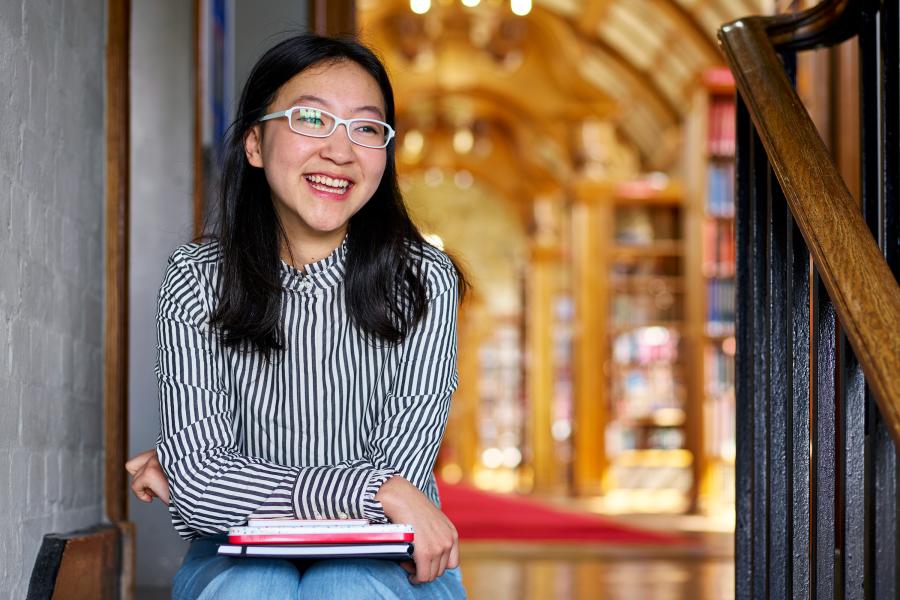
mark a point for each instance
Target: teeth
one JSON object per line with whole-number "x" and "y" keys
{"x": 333, "y": 183}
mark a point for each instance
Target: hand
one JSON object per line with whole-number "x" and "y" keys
{"x": 436, "y": 546}
{"x": 147, "y": 477}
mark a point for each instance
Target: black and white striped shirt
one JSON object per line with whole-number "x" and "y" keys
{"x": 316, "y": 431}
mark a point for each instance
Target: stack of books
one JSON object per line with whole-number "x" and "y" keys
{"x": 295, "y": 538}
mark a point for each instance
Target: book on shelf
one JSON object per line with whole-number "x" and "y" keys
{"x": 721, "y": 138}
{"x": 720, "y": 305}
{"x": 719, "y": 370}
{"x": 718, "y": 248}
{"x": 720, "y": 409}
{"x": 720, "y": 189}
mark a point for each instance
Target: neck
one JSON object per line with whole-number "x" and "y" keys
{"x": 301, "y": 250}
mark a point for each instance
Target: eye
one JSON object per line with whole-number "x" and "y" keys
{"x": 310, "y": 118}
{"x": 369, "y": 128}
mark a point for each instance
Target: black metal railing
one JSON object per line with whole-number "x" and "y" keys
{"x": 817, "y": 429}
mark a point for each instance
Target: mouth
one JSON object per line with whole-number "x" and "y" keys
{"x": 334, "y": 186}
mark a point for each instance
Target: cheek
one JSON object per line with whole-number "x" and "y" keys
{"x": 376, "y": 171}
{"x": 282, "y": 151}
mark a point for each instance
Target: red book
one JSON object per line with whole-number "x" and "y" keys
{"x": 324, "y": 534}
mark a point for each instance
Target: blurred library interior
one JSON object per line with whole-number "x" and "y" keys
{"x": 578, "y": 158}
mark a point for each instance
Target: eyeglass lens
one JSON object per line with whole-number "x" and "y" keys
{"x": 318, "y": 123}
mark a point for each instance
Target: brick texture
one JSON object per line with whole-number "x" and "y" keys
{"x": 51, "y": 275}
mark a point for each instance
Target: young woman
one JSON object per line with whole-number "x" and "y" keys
{"x": 307, "y": 352}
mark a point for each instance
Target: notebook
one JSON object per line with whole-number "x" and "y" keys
{"x": 401, "y": 551}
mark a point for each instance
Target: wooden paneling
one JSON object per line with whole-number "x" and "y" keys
{"x": 332, "y": 17}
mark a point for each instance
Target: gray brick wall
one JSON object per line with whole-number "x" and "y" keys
{"x": 51, "y": 275}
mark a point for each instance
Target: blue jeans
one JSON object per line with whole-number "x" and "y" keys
{"x": 204, "y": 575}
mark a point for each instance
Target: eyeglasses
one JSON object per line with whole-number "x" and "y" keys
{"x": 318, "y": 123}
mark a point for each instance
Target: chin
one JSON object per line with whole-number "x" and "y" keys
{"x": 328, "y": 227}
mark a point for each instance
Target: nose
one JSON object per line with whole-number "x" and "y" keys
{"x": 338, "y": 146}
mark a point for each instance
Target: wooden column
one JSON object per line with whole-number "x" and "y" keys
{"x": 693, "y": 343}
{"x": 591, "y": 223}
{"x": 541, "y": 284}
{"x": 461, "y": 438}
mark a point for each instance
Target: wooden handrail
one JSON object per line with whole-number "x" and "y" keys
{"x": 827, "y": 23}
{"x": 862, "y": 287}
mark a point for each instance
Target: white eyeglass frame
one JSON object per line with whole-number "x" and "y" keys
{"x": 337, "y": 122}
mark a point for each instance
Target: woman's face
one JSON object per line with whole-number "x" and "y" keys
{"x": 297, "y": 167}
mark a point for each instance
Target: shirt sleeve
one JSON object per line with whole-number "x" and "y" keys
{"x": 212, "y": 485}
{"x": 407, "y": 439}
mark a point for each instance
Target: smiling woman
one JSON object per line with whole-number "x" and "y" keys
{"x": 307, "y": 347}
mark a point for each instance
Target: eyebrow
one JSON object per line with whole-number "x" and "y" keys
{"x": 308, "y": 98}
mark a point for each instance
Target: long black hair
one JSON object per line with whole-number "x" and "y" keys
{"x": 384, "y": 291}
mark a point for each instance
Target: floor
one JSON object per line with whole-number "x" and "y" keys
{"x": 539, "y": 572}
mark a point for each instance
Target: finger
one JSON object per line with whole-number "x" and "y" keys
{"x": 409, "y": 566}
{"x": 143, "y": 495}
{"x": 426, "y": 570}
{"x": 139, "y": 460}
{"x": 442, "y": 564}
{"x": 454, "y": 555}
{"x": 423, "y": 569}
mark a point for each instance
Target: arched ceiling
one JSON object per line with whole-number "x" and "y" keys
{"x": 527, "y": 84}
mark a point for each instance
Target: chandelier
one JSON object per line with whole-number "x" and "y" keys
{"x": 518, "y": 7}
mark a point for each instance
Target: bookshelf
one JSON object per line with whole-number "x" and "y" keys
{"x": 710, "y": 172}
{"x": 649, "y": 450}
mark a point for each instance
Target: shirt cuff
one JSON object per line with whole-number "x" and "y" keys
{"x": 371, "y": 508}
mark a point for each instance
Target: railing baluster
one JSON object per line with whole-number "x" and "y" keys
{"x": 886, "y": 576}
{"x": 743, "y": 504}
{"x": 857, "y": 443}
{"x": 798, "y": 300}
{"x": 760, "y": 365}
{"x": 853, "y": 476}
{"x": 779, "y": 362}
{"x": 824, "y": 457}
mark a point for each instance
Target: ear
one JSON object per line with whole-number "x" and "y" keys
{"x": 252, "y": 146}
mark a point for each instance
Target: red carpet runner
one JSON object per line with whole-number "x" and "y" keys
{"x": 480, "y": 515}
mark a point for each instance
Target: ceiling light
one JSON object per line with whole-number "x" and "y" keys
{"x": 413, "y": 142}
{"x": 471, "y": 3}
{"x": 520, "y": 7}
{"x": 463, "y": 140}
{"x": 420, "y": 7}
